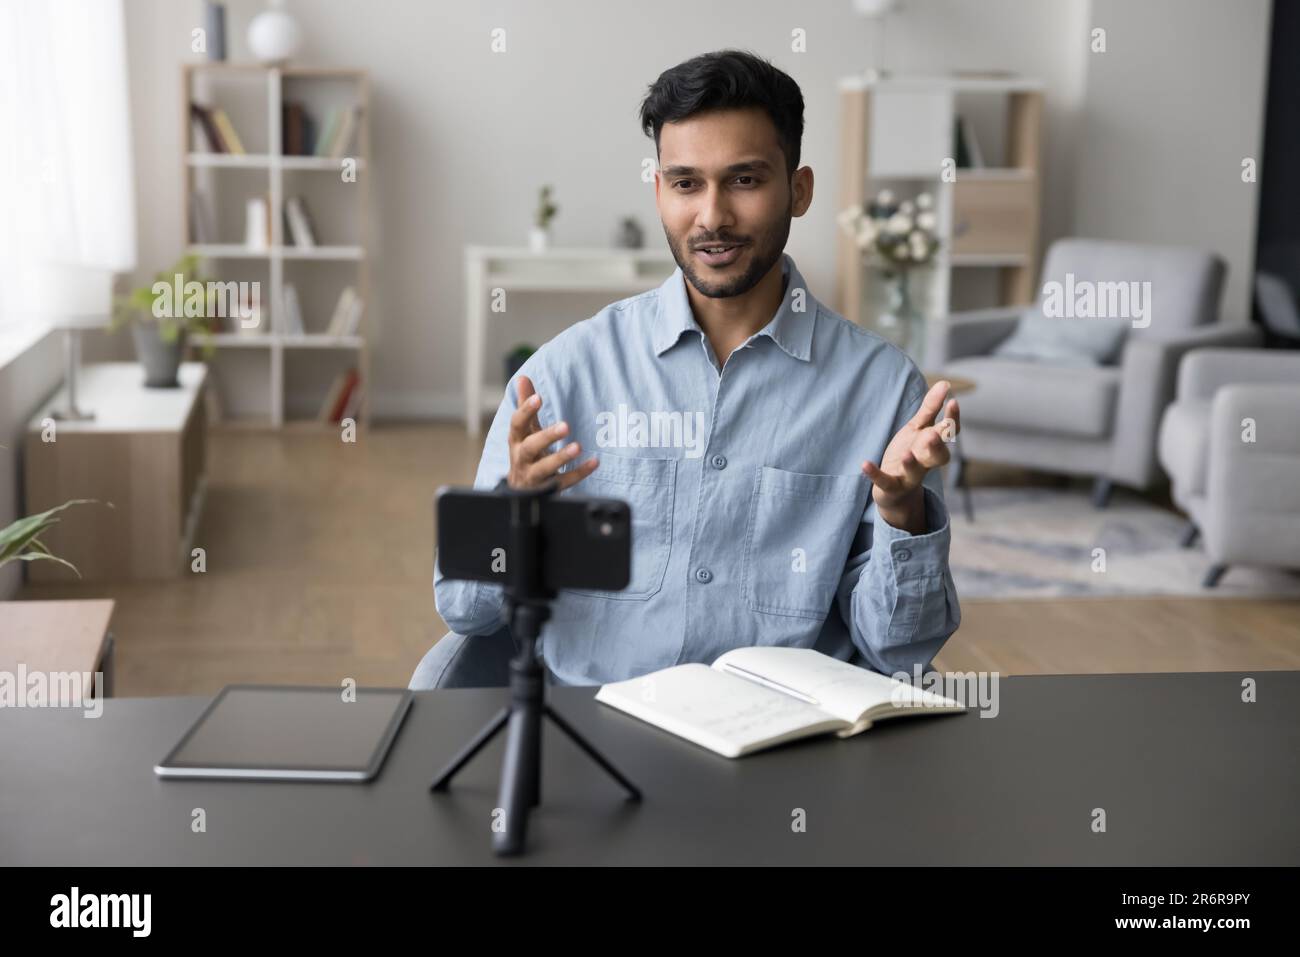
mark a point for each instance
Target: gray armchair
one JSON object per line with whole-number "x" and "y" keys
{"x": 1231, "y": 445}
{"x": 1098, "y": 421}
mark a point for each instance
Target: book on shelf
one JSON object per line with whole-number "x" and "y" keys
{"x": 227, "y": 130}
{"x": 960, "y": 152}
{"x": 350, "y": 388}
{"x": 202, "y": 223}
{"x": 257, "y": 223}
{"x": 346, "y": 319}
{"x": 241, "y": 305}
{"x": 206, "y": 133}
{"x": 344, "y": 132}
{"x": 336, "y": 399}
{"x": 974, "y": 155}
{"x": 352, "y": 325}
{"x": 298, "y": 131}
{"x": 754, "y": 698}
{"x": 311, "y": 130}
{"x": 341, "y": 309}
{"x": 352, "y": 409}
{"x": 326, "y": 137}
{"x": 293, "y": 129}
{"x": 292, "y": 309}
{"x": 337, "y": 133}
{"x": 301, "y": 229}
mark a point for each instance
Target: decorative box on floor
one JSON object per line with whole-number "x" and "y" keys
{"x": 143, "y": 452}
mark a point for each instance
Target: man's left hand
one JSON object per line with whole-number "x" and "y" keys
{"x": 918, "y": 447}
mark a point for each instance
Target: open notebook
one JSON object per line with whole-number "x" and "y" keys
{"x": 755, "y": 698}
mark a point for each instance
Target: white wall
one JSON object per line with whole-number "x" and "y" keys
{"x": 464, "y": 137}
{"x": 1172, "y": 107}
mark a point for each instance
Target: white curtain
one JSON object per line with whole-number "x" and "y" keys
{"x": 67, "y": 201}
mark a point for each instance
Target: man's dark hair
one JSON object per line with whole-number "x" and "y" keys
{"x": 727, "y": 80}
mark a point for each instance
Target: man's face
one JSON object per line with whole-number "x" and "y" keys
{"x": 722, "y": 181}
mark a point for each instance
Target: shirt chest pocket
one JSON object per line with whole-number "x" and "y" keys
{"x": 800, "y": 530}
{"x": 648, "y": 486}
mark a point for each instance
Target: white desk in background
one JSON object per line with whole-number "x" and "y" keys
{"x": 617, "y": 272}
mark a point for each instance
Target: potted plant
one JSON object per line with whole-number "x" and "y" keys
{"x": 540, "y": 236}
{"x": 628, "y": 235}
{"x": 20, "y": 541}
{"x": 516, "y": 358}
{"x": 161, "y": 322}
{"x": 896, "y": 238}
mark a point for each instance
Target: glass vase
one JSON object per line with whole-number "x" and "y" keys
{"x": 898, "y": 319}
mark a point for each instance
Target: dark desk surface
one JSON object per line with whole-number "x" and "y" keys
{"x": 1186, "y": 772}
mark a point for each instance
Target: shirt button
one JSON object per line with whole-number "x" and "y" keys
{"x": 703, "y": 575}
{"x": 902, "y": 555}
{"x": 719, "y": 462}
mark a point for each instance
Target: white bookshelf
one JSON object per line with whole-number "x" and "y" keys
{"x": 896, "y": 132}
{"x": 266, "y": 161}
{"x": 564, "y": 269}
{"x": 281, "y": 378}
{"x": 236, "y": 251}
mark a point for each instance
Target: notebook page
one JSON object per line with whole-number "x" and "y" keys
{"x": 718, "y": 711}
{"x": 844, "y": 690}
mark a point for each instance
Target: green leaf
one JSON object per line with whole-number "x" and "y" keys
{"x": 16, "y": 536}
{"x": 46, "y": 556}
{"x": 19, "y": 541}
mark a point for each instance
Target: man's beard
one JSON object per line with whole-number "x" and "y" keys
{"x": 766, "y": 252}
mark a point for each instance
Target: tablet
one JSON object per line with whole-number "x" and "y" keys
{"x": 283, "y": 732}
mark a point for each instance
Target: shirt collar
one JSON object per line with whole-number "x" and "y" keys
{"x": 791, "y": 328}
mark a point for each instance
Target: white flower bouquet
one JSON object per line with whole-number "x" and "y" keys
{"x": 892, "y": 235}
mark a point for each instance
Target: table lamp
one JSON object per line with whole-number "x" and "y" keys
{"x": 74, "y": 298}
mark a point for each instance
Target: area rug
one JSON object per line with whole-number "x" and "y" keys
{"x": 1052, "y": 543}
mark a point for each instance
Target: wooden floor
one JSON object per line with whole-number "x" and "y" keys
{"x": 320, "y": 568}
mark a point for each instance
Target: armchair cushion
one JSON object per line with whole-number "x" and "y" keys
{"x": 1078, "y": 342}
{"x": 1037, "y": 397}
{"x": 973, "y": 333}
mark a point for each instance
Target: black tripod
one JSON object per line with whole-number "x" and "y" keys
{"x": 527, "y": 609}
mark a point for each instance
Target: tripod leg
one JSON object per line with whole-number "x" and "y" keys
{"x": 535, "y": 785}
{"x": 518, "y": 779}
{"x": 459, "y": 761}
{"x": 633, "y": 792}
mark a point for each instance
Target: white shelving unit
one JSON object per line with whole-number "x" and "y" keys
{"x": 896, "y": 133}
{"x": 565, "y": 269}
{"x": 235, "y": 87}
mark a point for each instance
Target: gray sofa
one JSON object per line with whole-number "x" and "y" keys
{"x": 1097, "y": 421}
{"x": 1231, "y": 445}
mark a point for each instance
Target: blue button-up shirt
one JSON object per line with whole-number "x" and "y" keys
{"x": 752, "y": 523}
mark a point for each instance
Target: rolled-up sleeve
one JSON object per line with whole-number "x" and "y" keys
{"x": 897, "y": 594}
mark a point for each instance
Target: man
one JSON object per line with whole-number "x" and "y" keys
{"x": 780, "y": 462}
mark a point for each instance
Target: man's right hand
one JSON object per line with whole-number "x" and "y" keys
{"x": 530, "y": 466}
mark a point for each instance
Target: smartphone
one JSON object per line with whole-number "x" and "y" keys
{"x": 585, "y": 542}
